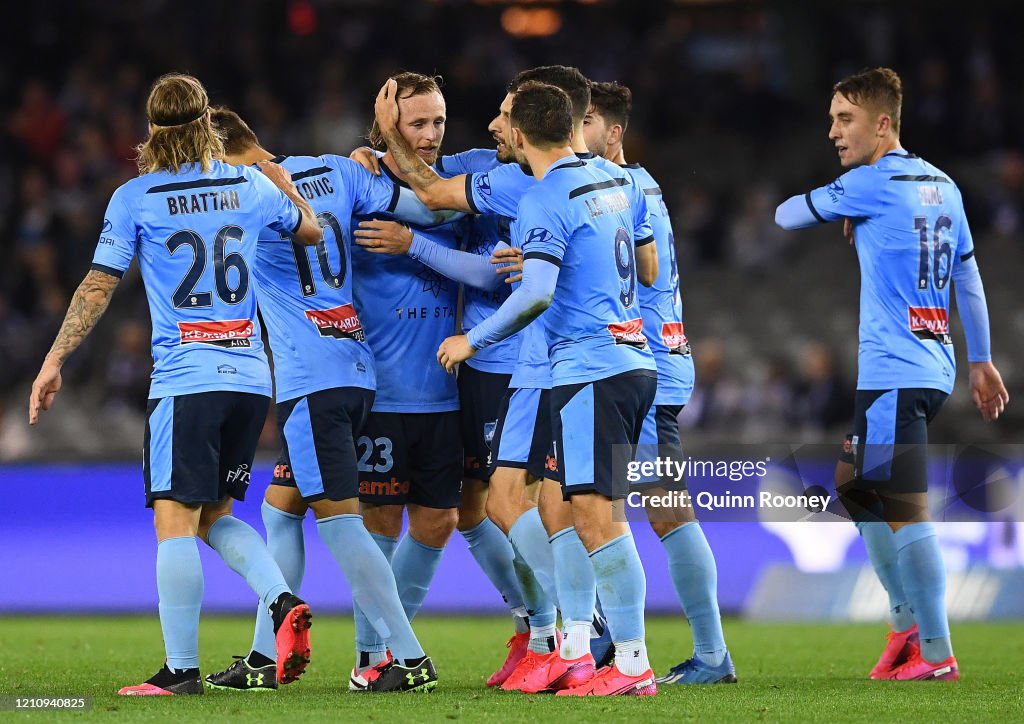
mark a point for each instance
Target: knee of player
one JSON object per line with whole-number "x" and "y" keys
{"x": 433, "y": 526}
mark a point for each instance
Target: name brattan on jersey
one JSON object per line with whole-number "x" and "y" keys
{"x": 661, "y": 304}
{"x": 306, "y": 296}
{"x": 407, "y": 310}
{"x": 593, "y": 327}
{"x": 911, "y": 233}
{"x": 195, "y": 235}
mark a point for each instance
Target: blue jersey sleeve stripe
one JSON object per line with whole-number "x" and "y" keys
{"x": 814, "y": 211}
{"x": 967, "y": 256}
{"x": 469, "y": 194}
{"x": 202, "y": 183}
{"x": 396, "y": 192}
{"x": 653, "y": 191}
{"x": 645, "y": 241}
{"x": 597, "y": 187}
{"x": 550, "y": 258}
{"x": 922, "y": 178}
{"x": 107, "y": 270}
{"x": 311, "y": 172}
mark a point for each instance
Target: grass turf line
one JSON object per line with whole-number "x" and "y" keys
{"x": 787, "y": 673}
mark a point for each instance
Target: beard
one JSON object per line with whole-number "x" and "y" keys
{"x": 505, "y": 155}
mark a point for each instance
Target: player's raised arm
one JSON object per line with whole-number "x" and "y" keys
{"x": 90, "y": 301}
{"x": 434, "y": 191}
{"x": 308, "y": 233}
{"x": 389, "y": 237}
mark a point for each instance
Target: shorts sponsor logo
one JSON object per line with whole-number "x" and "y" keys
{"x": 282, "y": 472}
{"x": 631, "y": 333}
{"x": 930, "y": 323}
{"x": 673, "y": 336}
{"x": 489, "y": 428}
{"x": 384, "y": 488}
{"x": 340, "y": 322}
{"x": 848, "y": 445}
{"x": 239, "y": 475}
{"x": 551, "y": 463}
{"x": 229, "y": 333}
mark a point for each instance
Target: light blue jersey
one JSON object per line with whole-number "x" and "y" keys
{"x": 911, "y": 234}
{"x": 486, "y": 231}
{"x": 196, "y": 236}
{"x": 407, "y": 310}
{"x": 305, "y": 292}
{"x": 500, "y": 191}
{"x": 662, "y": 303}
{"x": 580, "y": 219}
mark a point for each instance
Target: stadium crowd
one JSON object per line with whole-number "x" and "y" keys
{"x": 736, "y": 86}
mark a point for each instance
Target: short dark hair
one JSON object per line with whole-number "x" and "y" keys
{"x": 235, "y": 132}
{"x": 613, "y": 101}
{"x": 570, "y": 80}
{"x": 543, "y": 113}
{"x": 409, "y": 85}
{"x": 878, "y": 88}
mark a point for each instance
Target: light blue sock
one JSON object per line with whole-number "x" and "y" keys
{"x": 622, "y": 587}
{"x": 880, "y": 543}
{"x": 372, "y": 582}
{"x": 246, "y": 554}
{"x": 574, "y": 578}
{"x": 494, "y": 554}
{"x": 923, "y": 574}
{"x": 288, "y": 547}
{"x": 367, "y": 639}
{"x": 179, "y": 583}
{"x": 539, "y": 608}
{"x": 414, "y": 565}
{"x": 691, "y": 564}
{"x": 530, "y": 540}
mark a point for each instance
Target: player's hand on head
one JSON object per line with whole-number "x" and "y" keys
{"x": 276, "y": 173}
{"x": 988, "y": 391}
{"x": 366, "y": 158}
{"x": 454, "y": 350}
{"x": 508, "y": 261}
{"x": 385, "y": 108}
{"x": 44, "y": 389}
{"x": 383, "y": 237}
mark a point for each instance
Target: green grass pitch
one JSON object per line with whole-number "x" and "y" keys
{"x": 813, "y": 672}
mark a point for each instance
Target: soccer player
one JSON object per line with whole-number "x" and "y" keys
{"x": 912, "y": 238}
{"x": 325, "y": 384}
{"x": 194, "y": 223}
{"x": 578, "y": 260}
{"x": 481, "y": 389}
{"x": 520, "y": 441}
{"x": 410, "y": 452}
{"x": 690, "y": 560}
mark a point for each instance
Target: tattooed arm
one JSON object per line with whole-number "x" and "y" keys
{"x": 434, "y": 191}
{"x": 89, "y": 303}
